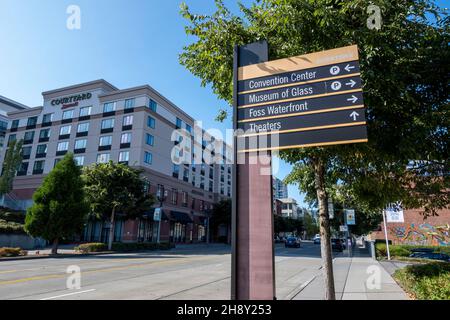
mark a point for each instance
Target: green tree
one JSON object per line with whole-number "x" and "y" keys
{"x": 405, "y": 74}
{"x": 311, "y": 225}
{"x": 113, "y": 188}
{"x": 59, "y": 208}
{"x": 13, "y": 159}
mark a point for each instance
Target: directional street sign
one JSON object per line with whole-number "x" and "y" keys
{"x": 310, "y": 100}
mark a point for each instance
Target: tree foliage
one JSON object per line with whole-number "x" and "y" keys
{"x": 59, "y": 208}
{"x": 13, "y": 159}
{"x": 405, "y": 72}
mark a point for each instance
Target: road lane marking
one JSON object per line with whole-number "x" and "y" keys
{"x": 68, "y": 294}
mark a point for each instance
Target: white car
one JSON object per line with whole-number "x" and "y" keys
{"x": 316, "y": 239}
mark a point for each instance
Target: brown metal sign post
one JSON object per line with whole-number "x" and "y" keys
{"x": 253, "y": 276}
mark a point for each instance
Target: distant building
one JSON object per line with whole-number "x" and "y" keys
{"x": 7, "y": 105}
{"x": 289, "y": 208}
{"x": 280, "y": 189}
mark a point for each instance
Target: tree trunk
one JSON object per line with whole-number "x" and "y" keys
{"x": 55, "y": 246}
{"x": 325, "y": 236}
{"x": 111, "y": 229}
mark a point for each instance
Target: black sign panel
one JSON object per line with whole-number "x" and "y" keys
{"x": 309, "y": 100}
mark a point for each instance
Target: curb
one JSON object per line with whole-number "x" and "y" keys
{"x": 57, "y": 256}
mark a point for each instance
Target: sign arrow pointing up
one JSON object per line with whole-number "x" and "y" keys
{"x": 353, "y": 115}
{"x": 348, "y": 68}
{"x": 351, "y": 83}
{"x": 353, "y": 99}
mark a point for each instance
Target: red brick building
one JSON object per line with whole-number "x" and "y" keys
{"x": 416, "y": 230}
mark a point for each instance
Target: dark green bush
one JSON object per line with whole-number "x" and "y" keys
{"x": 12, "y": 252}
{"x": 405, "y": 250}
{"x": 427, "y": 281}
{"x": 91, "y": 247}
{"x": 9, "y": 227}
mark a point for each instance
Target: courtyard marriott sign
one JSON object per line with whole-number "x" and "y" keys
{"x": 71, "y": 101}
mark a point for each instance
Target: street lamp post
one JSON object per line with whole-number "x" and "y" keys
{"x": 161, "y": 198}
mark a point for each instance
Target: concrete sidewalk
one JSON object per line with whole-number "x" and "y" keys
{"x": 356, "y": 278}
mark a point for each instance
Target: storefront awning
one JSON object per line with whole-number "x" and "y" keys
{"x": 181, "y": 217}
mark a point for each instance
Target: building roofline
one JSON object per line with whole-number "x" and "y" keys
{"x": 151, "y": 90}
{"x": 99, "y": 81}
{"x": 13, "y": 103}
{"x": 13, "y": 113}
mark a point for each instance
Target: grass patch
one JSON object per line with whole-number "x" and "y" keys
{"x": 429, "y": 281}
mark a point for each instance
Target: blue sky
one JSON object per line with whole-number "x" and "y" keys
{"x": 127, "y": 43}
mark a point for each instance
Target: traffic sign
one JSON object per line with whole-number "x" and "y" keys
{"x": 350, "y": 216}
{"x": 310, "y": 100}
{"x": 157, "y": 214}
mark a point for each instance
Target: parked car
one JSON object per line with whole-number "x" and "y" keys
{"x": 336, "y": 244}
{"x": 278, "y": 239}
{"x": 316, "y": 239}
{"x": 430, "y": 255}
{"x": 292, "y": 242}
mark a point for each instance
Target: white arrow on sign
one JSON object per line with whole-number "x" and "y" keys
{"x": 353, "y": 115}
{"x": 351, "y": 83}
{"x": 353, "y": 99}
{"x": 348, "y": 68}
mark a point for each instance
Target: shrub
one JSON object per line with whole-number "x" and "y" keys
{"x": 426, "y": 282}
{"x": 9, "y": 227}
{"x": 91, "y": 247}
{"x": 12, "y": 252}
{"x": 406, "y": 250}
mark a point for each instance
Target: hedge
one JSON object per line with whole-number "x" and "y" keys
{"x": 91, "y": 247}
{"x": 12, "y": 252}
{"x": 426, "y": 281}
{"x": 119, "y": 246}
{"x": 9, "y": 227}
{"x": 405, "y": 250}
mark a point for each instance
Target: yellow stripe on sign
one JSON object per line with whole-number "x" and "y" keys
{"x": 298, "y": 98}
{"x": 301, "y": 83}
{"x": 320, "y": 144}
{"x": 302, "y": 113}
{"x": 340, "y": 125}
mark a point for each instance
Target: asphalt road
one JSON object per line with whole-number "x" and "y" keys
{"x": 187, "y": 272}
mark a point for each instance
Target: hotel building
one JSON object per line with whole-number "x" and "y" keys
{"x": 98, "y": 122}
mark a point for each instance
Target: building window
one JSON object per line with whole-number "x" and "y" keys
{"x": 107, "y": 123}
{"x": 147, "y": 157}
{"x": 56, "y": 162}
{"x": 63, "y": 146}
{"x": 85, "y": 111}
{"x": 178, "y": 123}
{"x": 29, "y": 136}
{"x": 202, "y": 182}
{"x": 160, "y": 191}
{"x": 83, "y": 127}
{"x": 109, "y": 107}
{"x": 174, "y": 196}
{"x": 11, "y": 138}
{"x": 127, "y": 121}
{"x": 184, "y": 197}
{"x": 79, "y": 160}
{"x": 26, "y": 152}
{"x": 125, "y": 138}
{"x": 105, "y": 141}
{"x": 68, "y": 114}
{"x": 210, "y": 186}
{"x": 41, "y": 149}
{"x": 38, "y": 167}
{"x": 15, "y": 124}
{"x": 151, "y": 122}
{"x": 153, "y": 105}
{"x": 32, "y": 121}
{"x": 188, "y": 128}
{"x": 80, "y": 144}
{"x": 47, "y": 118}
{"x": 124, "y": 156}
{"x": 129, "y": 103}
{"x": 149, "y": 139}
{"x": 103, "y": 158}
{"x": 23, "y": 169}
{"x": 64, "y": 130}
{"x": 44, "y": 134}
{"x": 176, "y": 171}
